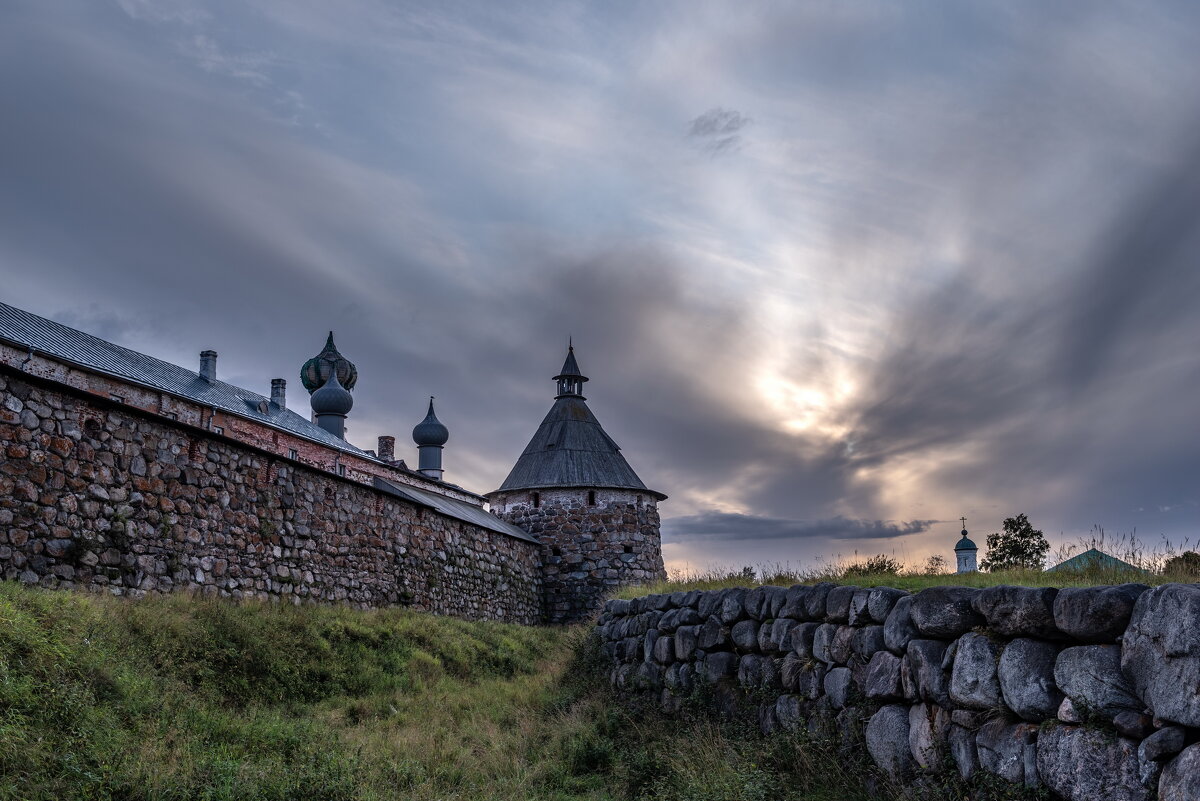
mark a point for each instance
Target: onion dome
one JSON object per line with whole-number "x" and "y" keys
{"x": 332, "y": 398}
{"x": 965, "y": 544}
{"x": 430, "y": 431}
{"x": 315, "y": 372}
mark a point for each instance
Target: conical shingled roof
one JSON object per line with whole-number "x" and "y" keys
{"x": 571, "y": 449}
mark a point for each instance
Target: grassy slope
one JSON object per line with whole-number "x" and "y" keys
{"x": 187, "y": 698}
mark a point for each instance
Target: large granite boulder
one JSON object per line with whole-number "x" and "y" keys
{"x": 963, "y": 751}
{"x": 1163, "y": 744}
{"x": 1090, "y": 675}
{"x": 973, "y": 679}
{"x": 1096, "y": 614}
{"x": 713, "y": 636}
{"x": 1180, "y": 780}
{"x": 685, "y": 642}
{"x": 720, "y": 665}
{"x": 881, "y": 601}
{"x": 839, "y": 649}
{"x": 945, "y": 612}
{"x": 887, "y": 741}
{"x": 1083, "y": 764}
{"x": 1009, "y": 750}
{"x": 756, "y": 604}
{"x": 776, "y": 596}
{"x": 839, "y": 687}
{"x": 822, "y": 642}
{"x": 815, "y": 600}
{"x": 795, "y": 604}
{"x": 928, "y": 730}
{"x": 898, "y": 629}
{"x": 733, "y": 606}
{"x": 780, "y": 638}
{"x": 801, "y": 639}
{"x": 837, "y": 603}
{"x": 1161, "y": 652}
{"x": 924, "y": 659}
{"x": 1026, "y": 674}
{"x": 745, "y": 635}
{"x": 789, "y": 711}
{"x": 858, "y": 615}
{"x": 866, "y": 641}
{"x": 1019, "y": 611}
{"x": 882, "y": 682}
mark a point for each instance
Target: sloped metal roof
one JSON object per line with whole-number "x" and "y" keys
{"x": 570, "y": 449}
{"x": 452, "y": 507}
{"x": 1093, "y": 558}
{"x": 28, "y": 330}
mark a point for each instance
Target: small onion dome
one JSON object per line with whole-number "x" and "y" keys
{"x": 965, "y": 544}
{"x": 332, "y": 398}
{"x": 430, "y": 431}
{"x": 315, "y": 372}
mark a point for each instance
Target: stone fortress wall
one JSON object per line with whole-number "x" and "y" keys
{"x": 1093, "y": 693}
{"x": 596, "y": 541}
{"x": 99, "y": 494}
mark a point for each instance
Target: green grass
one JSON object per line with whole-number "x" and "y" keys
{"x": 182, "y": 697}
{"x": 912, "y": 582}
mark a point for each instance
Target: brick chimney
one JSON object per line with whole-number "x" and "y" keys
{"x": 279, "y": 392}
{"x": 208, "y": 365}
{"x": 387, "y": 448}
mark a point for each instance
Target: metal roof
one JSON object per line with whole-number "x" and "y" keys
{"x": 46, "y": 336}
{"x": 1093, "y": 558}
{"x": 452, "y": 507}
{"x": 570, "y": 449}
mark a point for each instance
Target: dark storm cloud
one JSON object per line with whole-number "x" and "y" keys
{"x": 718, "y": 130}
{"x": 980, "y": 215}
{"x": 736, "y": 527}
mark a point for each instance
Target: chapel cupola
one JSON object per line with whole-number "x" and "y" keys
{"x": 430, "y": 435}
{"x": 965, "y": 552}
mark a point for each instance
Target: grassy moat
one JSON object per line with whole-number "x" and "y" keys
{"x": 182, "y": 697}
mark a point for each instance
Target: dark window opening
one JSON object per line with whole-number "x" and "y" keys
{"x": 341, "y": 469}
{"x": 558, "y": 551}
{"x": 536, "y": 498}
{"x": 591, "y": 497}
{"x": 93, "y": 428}
{"x": 293, "y": 453}
{"x": 628, "y": 549}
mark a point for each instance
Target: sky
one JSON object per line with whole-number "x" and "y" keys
{"x": 840, "y": 273}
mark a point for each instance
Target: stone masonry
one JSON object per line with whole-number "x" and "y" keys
{"x": 1086, "y": 693}
{"x": 97, "y": 495}
{"x": 591, "y": 548}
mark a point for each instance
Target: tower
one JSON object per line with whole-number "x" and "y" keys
{"x": 573, "y": 490}
{"x": 965, "y": 551}
{"x": 430, "y": 435}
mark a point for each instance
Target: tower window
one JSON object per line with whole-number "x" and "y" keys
{"x": 628, "y": 549}
{"x": 591, "y": 497}
{"x": 536, "y": 498}
{"x": 558, "y": 551}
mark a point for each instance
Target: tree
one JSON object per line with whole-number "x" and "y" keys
{"x": 1186, "y": 564}
{"x": 935, "y": 565}
{"x": 1020, "y": 545}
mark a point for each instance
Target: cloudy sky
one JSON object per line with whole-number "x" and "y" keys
{"x": 839, "y": 272}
